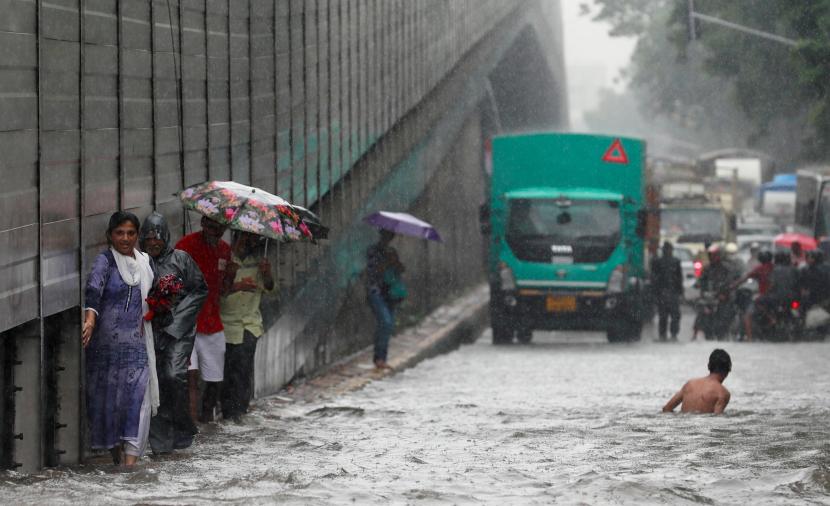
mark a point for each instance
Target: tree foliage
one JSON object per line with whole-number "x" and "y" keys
{"x": 755, "y": 92}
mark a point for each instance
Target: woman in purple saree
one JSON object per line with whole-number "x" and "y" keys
{"x": 121, "y": 387}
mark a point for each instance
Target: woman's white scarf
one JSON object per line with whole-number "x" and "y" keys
{"x": 137, "y": 271}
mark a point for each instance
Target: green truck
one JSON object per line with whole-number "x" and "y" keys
{"x": 566, "y": 222}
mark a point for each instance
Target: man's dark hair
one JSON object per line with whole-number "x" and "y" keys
{"x": 120, "y": 217}
{"x": 795, "y": 247}
{"x": 720, "y": 362}
{"x": 386, "y": 235}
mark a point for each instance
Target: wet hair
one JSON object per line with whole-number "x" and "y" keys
{"x": 720, "y": 362}
{"x": 118, "y": 218}
{"x": 765, "y": 257}
{"x": 783, "y": 258}
{"x": 668, "y": 246}
{"x": 210, "y": 222}
{"x": 259, "y": 244}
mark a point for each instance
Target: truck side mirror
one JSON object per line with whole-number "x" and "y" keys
{"x": 484, "y": 218}
{"x": 642, "y": 223}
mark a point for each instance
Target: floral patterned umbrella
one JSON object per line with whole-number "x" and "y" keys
{"x": 247, "y": 209}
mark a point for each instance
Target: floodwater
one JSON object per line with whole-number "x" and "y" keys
{"x": 568, "y": 419}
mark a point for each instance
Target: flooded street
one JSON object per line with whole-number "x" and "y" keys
{"x": 566, "y": 419}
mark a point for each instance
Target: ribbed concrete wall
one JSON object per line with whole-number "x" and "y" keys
{"x": 340, "y": 105}
{"x": 286, "y": 95}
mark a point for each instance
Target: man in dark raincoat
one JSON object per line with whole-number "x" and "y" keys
{"x": 174, "y": 332}
{"x": 667, "y": 282}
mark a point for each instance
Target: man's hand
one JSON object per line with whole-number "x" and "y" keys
{"x": 265, "y": 272}
{"x": 674, "y": 401}
{"x": 228, "y": 277}
{"x": 244, "y": 285}
{"x": 265, "y": 267}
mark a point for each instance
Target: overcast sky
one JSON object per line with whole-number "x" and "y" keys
{"x": 593, "y": 58}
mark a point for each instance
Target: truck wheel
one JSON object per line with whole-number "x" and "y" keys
{"x": 624, "y": 331}
{"x": 524, "y": 336}
{"x": 635, "y": 332}
{"x": 502, "y": 334}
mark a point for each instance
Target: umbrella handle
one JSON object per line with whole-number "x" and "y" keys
{"x": 265, "y": 255}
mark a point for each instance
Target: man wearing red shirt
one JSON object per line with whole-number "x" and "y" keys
{"x": 212, "y": 255}
{"x": 761, "y": 274}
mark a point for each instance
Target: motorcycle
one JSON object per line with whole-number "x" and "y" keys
{"x": 717, "y": 316}
{"x": 779, "y": 321}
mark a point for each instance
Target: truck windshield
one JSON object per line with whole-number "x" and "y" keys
{"x": 692, "y": 225}
{"x": 591, "y": 228}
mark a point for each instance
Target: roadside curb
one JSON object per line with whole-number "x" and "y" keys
{"x": 443, "y": 330}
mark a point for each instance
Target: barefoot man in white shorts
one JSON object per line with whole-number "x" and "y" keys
{"x": 212, "y": 255}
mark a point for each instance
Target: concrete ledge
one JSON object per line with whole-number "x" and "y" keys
{"x": 445, "y": 329}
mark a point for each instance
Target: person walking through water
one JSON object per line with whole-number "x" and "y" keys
{"x": 212, "y": 255}
{"x": 385, "y": 291}
{"x": 174, "y": 329}
{"x": 706, "y": 394}
{"x": 667, "y": 283}
{"x": 121, "y": 383}
{"x": 243, "y": 320}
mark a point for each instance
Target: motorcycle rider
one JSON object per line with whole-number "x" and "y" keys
{"x": 717, "y": 278}
{"x": 754, "y": 261}
{"x": 761, "y": 274}
{"x": 797, "y": 254}
{"x": 783, "y": 286}
{"x": 814, "y": 280}
{"x": 719, "y": 274}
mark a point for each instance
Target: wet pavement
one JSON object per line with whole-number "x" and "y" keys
{"x": 567, "y": 419}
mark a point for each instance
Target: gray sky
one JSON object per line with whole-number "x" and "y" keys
{"x": 593, "y": 59}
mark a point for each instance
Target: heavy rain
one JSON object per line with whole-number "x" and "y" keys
{"x": 435, "y": 252}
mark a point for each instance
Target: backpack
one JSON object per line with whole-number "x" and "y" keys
{"x": 394, "y": 290}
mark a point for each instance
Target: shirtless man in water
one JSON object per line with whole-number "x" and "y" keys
{"x": 707, "y": 394}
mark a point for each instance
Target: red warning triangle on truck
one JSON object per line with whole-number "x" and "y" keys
{"x": 615, "y": 153}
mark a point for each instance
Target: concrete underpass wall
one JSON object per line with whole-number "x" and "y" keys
{"x": 436, "y": 272}
{"x": 328, "y": 318}
{"x": 346, "y": 106}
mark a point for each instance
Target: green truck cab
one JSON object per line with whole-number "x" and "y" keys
{"x": 566, "y": 226}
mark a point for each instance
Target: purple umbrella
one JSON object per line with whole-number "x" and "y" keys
{"x": 404, "y": 224}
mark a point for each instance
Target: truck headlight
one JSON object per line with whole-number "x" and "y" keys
{"x": 616, "y": 282}
{"x": 506, "y": 277}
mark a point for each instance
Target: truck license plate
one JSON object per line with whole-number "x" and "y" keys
{"x": 560, "y": 304}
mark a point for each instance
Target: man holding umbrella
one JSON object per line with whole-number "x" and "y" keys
{"x": 384, "y": 287}
{"x": 383, "y": 269}
{"x": 243, "y": 320}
